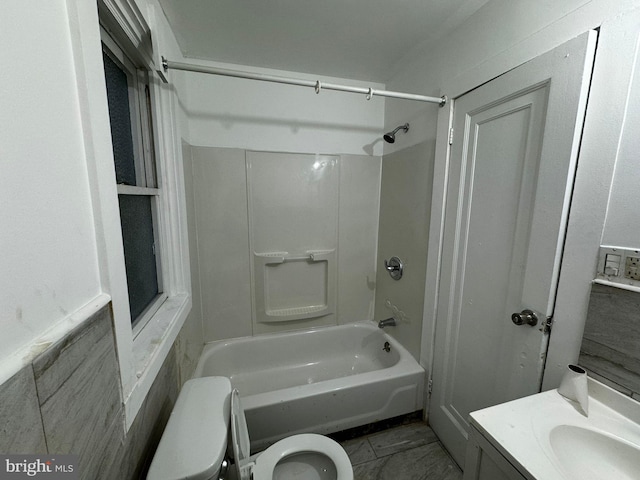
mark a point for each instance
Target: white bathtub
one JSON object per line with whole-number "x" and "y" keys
{"x": 322, "y": 380}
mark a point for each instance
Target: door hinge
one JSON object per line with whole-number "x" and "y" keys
{"x": 430, "y": 386}
{"x": 546, "y": 325}
{"x": 451, "y": 136}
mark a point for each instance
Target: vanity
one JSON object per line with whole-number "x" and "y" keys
{"x": 547, "y": 437}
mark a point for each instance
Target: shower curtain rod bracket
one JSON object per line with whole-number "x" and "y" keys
{"x": 369, "y": 92}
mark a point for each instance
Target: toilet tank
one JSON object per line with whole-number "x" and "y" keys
{"x": 194, "y": 441}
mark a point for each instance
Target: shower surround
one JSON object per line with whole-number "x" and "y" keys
{"x": 343, "y": 216}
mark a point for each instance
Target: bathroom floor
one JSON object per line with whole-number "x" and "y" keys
{"x": 406, "y": 452}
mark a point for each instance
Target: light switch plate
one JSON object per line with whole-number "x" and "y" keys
{"x": 619, "y": 265}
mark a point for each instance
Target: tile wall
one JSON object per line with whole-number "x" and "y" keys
{"x": 611, "y": 341}
{"x": 69, "y": 401}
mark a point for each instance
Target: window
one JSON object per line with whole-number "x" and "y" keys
{"x": 139, "y": 199}
{"x": 131, "y": 121}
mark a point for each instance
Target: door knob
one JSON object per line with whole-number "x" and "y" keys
{"x": 526, "y": 317}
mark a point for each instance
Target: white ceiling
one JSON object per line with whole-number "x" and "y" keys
{"x": 358, "y": 39}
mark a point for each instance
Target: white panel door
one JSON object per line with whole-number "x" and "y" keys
{"x": 511, "y": 170}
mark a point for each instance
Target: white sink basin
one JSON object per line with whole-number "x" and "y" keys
{"x": 547, "y": 437}
{"x": 590, "y": 454}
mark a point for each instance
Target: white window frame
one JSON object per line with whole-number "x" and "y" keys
{"x": 140, "y": 353}
{"x": 143, "y": 133}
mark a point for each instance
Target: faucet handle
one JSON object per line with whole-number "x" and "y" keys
{"x": 395, "y": 267}
{"x": 391, "y": 268}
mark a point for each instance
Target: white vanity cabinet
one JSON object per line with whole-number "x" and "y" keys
{"x": 484, "y": 462}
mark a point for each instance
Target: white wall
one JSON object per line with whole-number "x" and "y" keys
{"x": 49, "y": 263}
{"x": 622, "y": 227}
{"x": 60, "y": 215}
{"x": 247, "y": 114}
{"x": 500, "y": 36}
{"x": 604, "y": 195}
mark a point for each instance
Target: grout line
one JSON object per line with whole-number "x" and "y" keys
{"x": 386, "y": 458}
{"x": 35, "y": 384}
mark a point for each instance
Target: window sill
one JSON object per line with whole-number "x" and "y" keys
{"x": 151, "y": 347}
{"x": 147, "y": 315}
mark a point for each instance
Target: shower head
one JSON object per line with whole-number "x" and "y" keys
{"x": 391, "y": 136}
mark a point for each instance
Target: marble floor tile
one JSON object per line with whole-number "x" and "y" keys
{"x": 359, "y": 450}
{"x": 428, "y": 462}
{"x": 401, "y": 438}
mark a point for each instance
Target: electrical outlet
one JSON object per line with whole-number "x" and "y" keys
{"x": 632, "y": 268}
{"x": 619, "y": 266}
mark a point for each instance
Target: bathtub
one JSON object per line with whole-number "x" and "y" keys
{"x": 321, "y": 380}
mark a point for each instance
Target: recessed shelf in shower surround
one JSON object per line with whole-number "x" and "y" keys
{"x": 294, "y": 286}
{"x": 299, "y": 312}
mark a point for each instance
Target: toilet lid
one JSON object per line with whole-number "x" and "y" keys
{"x": 304, "y": 443}
{"x": 240, "y": 438}
{"x": 194, "y": 441}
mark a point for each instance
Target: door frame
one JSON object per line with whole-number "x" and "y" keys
{"x": 588, "y": 208}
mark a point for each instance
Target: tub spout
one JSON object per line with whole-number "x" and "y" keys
{"x": 387, "y": 322}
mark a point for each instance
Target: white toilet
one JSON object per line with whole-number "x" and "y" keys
{"x": 194, "y": 442}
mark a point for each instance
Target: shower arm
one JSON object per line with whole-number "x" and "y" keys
{"x": 404, "y": 127}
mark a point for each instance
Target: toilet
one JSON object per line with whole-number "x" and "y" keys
{"x": 195, "y": 441}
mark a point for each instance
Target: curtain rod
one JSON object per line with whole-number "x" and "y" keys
{"x": 318, "y": 85}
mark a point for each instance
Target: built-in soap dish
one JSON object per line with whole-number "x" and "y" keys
{"x": 294, "y": 286}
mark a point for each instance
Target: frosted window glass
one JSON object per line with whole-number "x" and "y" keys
{"x": 139, "y": 256}
{"x": 120, "y": 119}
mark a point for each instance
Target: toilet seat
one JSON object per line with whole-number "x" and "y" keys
{"x": 266, "y": 462}
{"x": 262, "y": 466}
